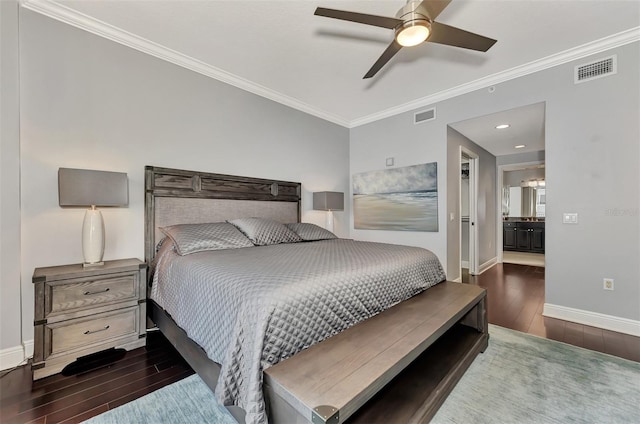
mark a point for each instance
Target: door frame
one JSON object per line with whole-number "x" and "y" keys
{"x": 473, "y": 209}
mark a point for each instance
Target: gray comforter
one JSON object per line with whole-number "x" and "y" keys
{"x": 250, "y": 308}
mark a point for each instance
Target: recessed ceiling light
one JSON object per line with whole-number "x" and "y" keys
{"x": 502, "y": 126}
{"x": 520, "y": 146}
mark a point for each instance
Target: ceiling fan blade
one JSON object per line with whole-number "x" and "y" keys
{"x": 393, "y": 48}
{"x": 452, "y": 36}
{"x": 361, "y": 18}
{"x": 432, "y": 8}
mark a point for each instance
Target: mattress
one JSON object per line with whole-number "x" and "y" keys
{"x": 250, "y": 308}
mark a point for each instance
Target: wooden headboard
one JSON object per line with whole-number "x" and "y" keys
{"x": 175, "y": 196}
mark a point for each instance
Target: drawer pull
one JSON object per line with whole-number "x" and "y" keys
{"x": 106, "y": 327}
{"x": 88, "y": 293}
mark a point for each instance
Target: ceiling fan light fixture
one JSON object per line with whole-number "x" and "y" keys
{"x": 413, "y": 33}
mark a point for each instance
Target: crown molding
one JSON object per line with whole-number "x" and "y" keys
{"x": 598, "y": 46}
{"x": 102, "y": 29}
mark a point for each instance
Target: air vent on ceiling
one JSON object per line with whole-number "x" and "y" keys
{"x": 597, "y": 69}
{"x": 424, "y": 116}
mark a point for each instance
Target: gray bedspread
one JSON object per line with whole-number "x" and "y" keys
{"x": 250, "y": 308}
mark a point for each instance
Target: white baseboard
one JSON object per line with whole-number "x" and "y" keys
{"x": 485, "y": 266}
{"x": 13, "y": 356}
{"x": 593, "y": 319}
{"x": 28, "y": 348}
{"x": 457, "y": 280}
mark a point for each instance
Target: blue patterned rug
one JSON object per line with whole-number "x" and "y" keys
{"x": 519, "y": 379}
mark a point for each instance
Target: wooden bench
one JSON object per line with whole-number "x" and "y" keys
{"x": 398, "y": 366}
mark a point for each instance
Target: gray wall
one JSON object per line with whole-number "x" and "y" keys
{"x": 592, "y": 155}
{"x": 10, "y": 336}
{"x": 408, "y": 144}
{"x": 87, "y": 102}
{"x": 486, "y": 223}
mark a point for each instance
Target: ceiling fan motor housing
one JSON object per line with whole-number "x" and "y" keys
{"x": 415, "y": 28}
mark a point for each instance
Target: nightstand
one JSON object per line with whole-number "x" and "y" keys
{"x": 79, "y": 311}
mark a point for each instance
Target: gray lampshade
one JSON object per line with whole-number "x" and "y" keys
{"x": 86, "y": 187}
{"x": 328, "y": 201}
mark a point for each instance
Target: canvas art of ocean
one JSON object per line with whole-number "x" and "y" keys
{"x": 403, "y": 199}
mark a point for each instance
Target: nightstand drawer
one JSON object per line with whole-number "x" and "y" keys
{"x": 84, "y": 332}
{"x": 82, "y": 293}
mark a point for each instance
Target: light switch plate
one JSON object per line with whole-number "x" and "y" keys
{"x": 390, "y": 161}
{"x": 569, "y": 218}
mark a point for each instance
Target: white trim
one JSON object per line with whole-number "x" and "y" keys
{"x": 485, "y": 266}
{"x": 594, "y": 47}
{"x": 87, "y": 23}
{"x": 28, "y": 348}
{"x": 457, "y": 280}
{"x": 79, "y": 20}
{"x": 11, "y": 357}
{"x": 464, "y": 264}
{"x": 474, "y": 245}
{"x": 593, "y": 319}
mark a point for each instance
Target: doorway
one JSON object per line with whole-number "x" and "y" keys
{"x": 523, "y": 209}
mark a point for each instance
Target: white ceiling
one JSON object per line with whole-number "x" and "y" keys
{"x": 280, "y": 50}
{"x": 526, "y": 127}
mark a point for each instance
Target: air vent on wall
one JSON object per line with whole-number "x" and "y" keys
{"x": 424, "y": 116}
{"x": 598, "y": 69}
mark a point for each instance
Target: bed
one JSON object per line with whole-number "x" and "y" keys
{"x": 237, "y": 310}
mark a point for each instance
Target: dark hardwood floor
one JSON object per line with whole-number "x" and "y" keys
{"x": 515, "y": 300}
{"x": 72, "y": 399}
{"x": 515, "y": 296}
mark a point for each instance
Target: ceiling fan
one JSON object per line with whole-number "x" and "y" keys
{"x": 414, "y": 24}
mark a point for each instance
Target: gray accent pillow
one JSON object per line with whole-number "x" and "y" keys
{"x": 263, "y": 232}
{"x": 191, "y": 238}
{"x": 311, "y": 232}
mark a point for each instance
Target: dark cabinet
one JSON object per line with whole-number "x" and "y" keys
{"x": 523, "y": 236}
{"x": 537, "y": 240}
{"x": 523, "y": 239}
{"x": 509, "y": 236}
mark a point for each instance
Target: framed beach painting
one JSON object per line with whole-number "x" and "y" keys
{"x": 404, "y": 199}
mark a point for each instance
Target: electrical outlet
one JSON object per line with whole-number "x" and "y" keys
{"x": 607, "y": 284}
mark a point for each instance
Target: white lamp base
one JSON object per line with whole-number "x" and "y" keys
{"x": 329, "y": 221}
{"x": 93, "y": 237}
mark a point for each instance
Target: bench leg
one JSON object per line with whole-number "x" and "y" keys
{"x": 477, "y": 318}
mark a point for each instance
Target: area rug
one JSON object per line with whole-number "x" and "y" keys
{"x": 519, "y": 379}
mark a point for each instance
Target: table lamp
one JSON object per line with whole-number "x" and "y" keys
{"x": 85, "y": 187}
{"x": 328, "y": 201}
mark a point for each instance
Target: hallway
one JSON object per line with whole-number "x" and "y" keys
{"x": 516, "y": 301}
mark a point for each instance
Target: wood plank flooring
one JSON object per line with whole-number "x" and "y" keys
{"x": 515, "y": 300}
{"x": 515, "y": 296}
{"x": 72, "y": 399}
